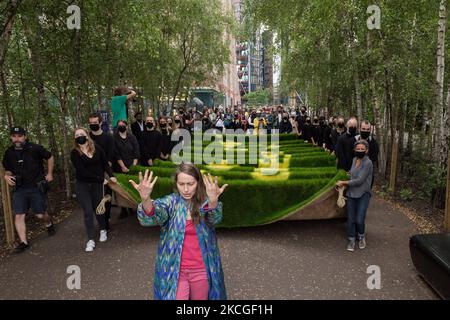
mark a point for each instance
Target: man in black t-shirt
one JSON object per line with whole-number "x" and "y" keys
{"x": 24, "y": 171}
{"x": 106, "y": 142}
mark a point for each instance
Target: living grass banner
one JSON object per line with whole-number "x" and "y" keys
{"x": 257, "y": 193}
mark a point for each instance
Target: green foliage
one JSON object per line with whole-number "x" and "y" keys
{"x": 257, "y": 98}
{"x": 406, "y": 194}
{"x": 312, "y": 161}
{"x": 157, "y": 47}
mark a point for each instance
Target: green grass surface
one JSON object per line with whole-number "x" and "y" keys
{"x": 254, "y": 197}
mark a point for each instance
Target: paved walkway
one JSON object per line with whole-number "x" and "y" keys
{"x": 285, "y": 260}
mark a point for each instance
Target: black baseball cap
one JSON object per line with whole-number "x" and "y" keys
{"x": 18, "y": 130}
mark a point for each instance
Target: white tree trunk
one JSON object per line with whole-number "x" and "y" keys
{"x": 438, "y": 124}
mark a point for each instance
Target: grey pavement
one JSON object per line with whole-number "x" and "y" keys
{"x": 285, "y": 260}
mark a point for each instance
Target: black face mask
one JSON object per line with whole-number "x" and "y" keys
{"x": 360, "y": 154}
{"x": 352, "y": 131}
{"x": 177, "y": 121}
{"x": 322, "y": 123}
{"x": 149, "y": 125}
{"x": 365, "y": 135}
{"x": 308, "y": 122}
{"x": 285, "y": 119}
{"x": 303, "y": 111}
{"x": 341, "y": 125}
{"x": 122, "y": 129}
{"x": 94, "y": 127}
{"x": 81, "y": 140}
{"x": 163, "y": 125}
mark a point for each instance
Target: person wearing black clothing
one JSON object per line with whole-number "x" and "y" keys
{"x": 365, "y": 133}
{"x": 307, "y": 130}
{"x": 345, "y": 146}
{"x": 187, "y": 118}
{"x": 166, "y": 143}
{"x": 177, "y": 122}
{"x": 90, "y": 164}
{"x": 150, "y": 143}
{"x": 327, "y": 141}
{"x": 126, "y": 154}
{"x": 101, "y": 138}
{"x": 24, "y": 171}
{"x": 138, "y": 126}
{"x": 337, "y": 132}
{"x": 105, "y": 141}
{"x": 322, "y": 127}
{"x": 315, "y": 132}
{"x": 126, "y": 149}
{"x": 285, "y": 125}
{"x": 301, "y": 120}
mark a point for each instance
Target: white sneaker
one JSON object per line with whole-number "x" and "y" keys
{"x": 362, "y": 243}
{"x": 103, "y": 235}
{"x": 351, "y": 245}
{"x": 90, "y": 245}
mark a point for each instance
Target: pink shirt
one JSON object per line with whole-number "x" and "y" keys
{"x": 191, "y": 256}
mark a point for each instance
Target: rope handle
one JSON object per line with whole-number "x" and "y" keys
{"x": 341, "y": 199}
{"x": 101, "y": 208}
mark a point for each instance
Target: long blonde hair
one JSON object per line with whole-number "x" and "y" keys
{"x": 200, "y": 194}
{"x": 90, "y": 142}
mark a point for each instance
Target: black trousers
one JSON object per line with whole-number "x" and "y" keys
{"x": 107, "y": 207}
{"x": 89, "y": 196}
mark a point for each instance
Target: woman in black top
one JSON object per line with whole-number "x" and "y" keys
{"x": 315, "y": 131}
{"x": 90, "y": 164}
{"x": 126, "y": 149}
{"x": 150, "y": 142}
{"x": 307, "y": 130}
{"x": 166, "y": 134}
{"x": 126, "y": 154}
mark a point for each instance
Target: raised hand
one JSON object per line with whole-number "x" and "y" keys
{"x": 145, "y": 186}
{"x": 213, "y": 191}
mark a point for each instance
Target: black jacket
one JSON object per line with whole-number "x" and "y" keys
{"x": 91, "y": 170}
{"x": 285, "y": 127}
{"x": 105, "y": 141}
{"x": 150, "y": 145}
{"x": 136, "y": 129}
{"x": 344, "y": 151}
{"x": 126, "y": 150}
{"x": 327, "y": 138}
{"x": 26, "y": 164}
{"x": 166, "y": 143}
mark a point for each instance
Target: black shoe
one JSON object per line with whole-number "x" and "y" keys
{"x": 21, "y": 247}
{"x": 51, "y": 230}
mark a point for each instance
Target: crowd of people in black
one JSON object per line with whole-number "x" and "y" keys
{"x": 101, "y": 152}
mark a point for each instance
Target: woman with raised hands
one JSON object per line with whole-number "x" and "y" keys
{"x": 188, "y": 264}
